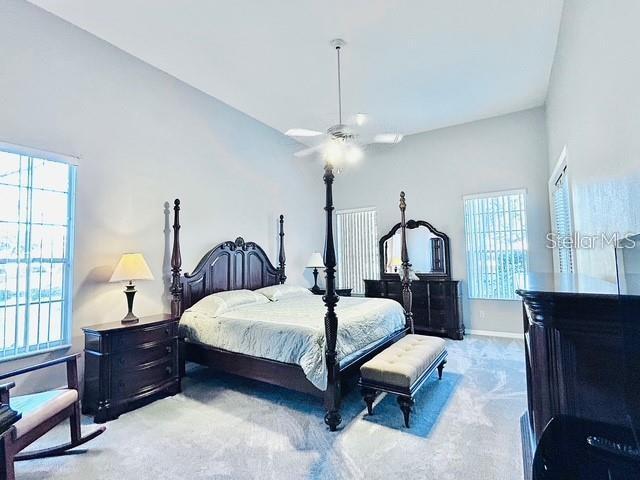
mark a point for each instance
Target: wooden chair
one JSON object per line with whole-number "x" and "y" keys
{"x": 40, "y": 413}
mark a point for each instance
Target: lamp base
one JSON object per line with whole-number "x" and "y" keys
{"x": 315, "y": 289}
{"x": 130, "y": 318}
{"x": 130, "y": 292}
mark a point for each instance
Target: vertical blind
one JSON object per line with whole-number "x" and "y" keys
{"x": 36, "y": 215}
{"x": 357, "y": 239}
{"x": 496, "y": 243}
{"x": 562, "y": 222}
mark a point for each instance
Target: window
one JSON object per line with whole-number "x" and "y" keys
{"x": 36, "y": 225}
{"x": 496, "y": 239}
{"x": 561, "y": 220}
{"x": 357, "y": 239}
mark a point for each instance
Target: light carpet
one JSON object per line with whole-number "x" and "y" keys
{"x": 463, "y": 427}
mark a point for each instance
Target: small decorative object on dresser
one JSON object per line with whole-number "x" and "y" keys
{"x": 315, "y": 261}
{"x": 436, "y": 308}
{"x": 128, "y": 365}
{"x": 132, "y": 266}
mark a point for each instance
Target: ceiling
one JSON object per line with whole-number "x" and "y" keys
{"x": 411, "y": 65}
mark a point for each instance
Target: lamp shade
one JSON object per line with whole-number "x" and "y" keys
{"x": 132, "y": 266}
{"x": 315, "y": 261}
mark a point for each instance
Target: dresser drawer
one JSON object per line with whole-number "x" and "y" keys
{"x": 138, "y": 357}
{"x": 134, "y": 338}
{"x": 137, "y": 381}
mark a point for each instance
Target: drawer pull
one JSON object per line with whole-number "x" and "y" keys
{"x": 169, "y": 370}
{"x": 167, "y": 331}
{"x": 168, "y": 349}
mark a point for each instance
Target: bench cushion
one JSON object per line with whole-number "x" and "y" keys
{"x": 404, "y": 362}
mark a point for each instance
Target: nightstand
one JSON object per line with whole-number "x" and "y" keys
{"x": 342, "y": 292}
{"x": 129, "y": 365}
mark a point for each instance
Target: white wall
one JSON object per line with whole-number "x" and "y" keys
{"x": 437, "y": 168}
{"x": 592, "y": 108}
{"x": 144, "y": 138}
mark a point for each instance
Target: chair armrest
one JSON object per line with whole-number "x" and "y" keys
{"x": 4, "y": 392}
{"x": 50, "y": 363}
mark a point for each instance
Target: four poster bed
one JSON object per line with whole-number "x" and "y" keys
{"x": 282, "y": 342}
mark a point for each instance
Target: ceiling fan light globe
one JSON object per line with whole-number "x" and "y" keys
{"x": 334, "y": 153}
{"x": 361, "y": 119}
{"x": 353, "y": 154}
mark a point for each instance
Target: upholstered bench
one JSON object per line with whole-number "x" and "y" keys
{"x": 402, "y": 369}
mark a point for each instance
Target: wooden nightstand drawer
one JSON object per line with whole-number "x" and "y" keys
{"x": 134, "y": 338}
{"x": 142, "y": 356}
{"x": 135, "y": 382}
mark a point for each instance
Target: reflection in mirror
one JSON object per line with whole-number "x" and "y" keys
{"x": 628, "y": 265}
{"x": 426, "y": 251}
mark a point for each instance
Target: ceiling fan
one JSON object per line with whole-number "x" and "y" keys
{"x": 342, "y": 142}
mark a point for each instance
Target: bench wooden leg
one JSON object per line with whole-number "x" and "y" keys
{"x": 440, "y": 368}
{"x": 369, "y": 395}
{"x": 405, "y": 405}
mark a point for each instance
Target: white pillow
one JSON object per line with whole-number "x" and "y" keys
{"x": 218, "y": 303}
{"x": 278, "y": 292}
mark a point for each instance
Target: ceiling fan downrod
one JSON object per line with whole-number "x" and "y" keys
{"x": 338, "y": 43}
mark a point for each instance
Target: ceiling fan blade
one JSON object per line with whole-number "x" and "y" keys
{"x": 302, "y": 132}
{"x": 308, "y": 151}
{"x": 388, "y": 138}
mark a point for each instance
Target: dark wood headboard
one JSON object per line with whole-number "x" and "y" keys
{"x": 231, "y": 265}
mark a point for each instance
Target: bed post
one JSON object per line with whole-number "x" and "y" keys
{"x": 281, "y": 256}
{"x": 332, "y": 394}
{"x": 407, "y": 296}
{"x": 176, "y": 263}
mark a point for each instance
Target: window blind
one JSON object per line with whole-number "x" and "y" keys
{"x": 36, "y": 217}
{"x": 496, "y": 243}
{"x": 562, "y": 222}
{"x": 357, "y": 239}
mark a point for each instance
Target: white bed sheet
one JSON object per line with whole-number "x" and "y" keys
{"x": 291, "y": 330}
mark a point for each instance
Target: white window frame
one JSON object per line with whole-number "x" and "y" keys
{"x": 561, "y": 170}
{"x": 67, "y": 322}
{"x": 470, "y": 244}
{"x": 362, "y": 272}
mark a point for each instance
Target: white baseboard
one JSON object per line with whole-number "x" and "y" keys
{"x": 491, "y": 333}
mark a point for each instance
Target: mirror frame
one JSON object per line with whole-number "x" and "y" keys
{"x": 411, "y": 224}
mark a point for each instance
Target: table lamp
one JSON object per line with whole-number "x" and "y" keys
{"x": 395, "y": 263}
{"x": 315, "y": 261}
{"x": 132, "y": 266}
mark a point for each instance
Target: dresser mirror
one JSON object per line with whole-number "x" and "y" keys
{"x": 427, "y": 247}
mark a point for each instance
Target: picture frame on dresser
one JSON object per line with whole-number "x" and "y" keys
{"x": 437, "y": 304}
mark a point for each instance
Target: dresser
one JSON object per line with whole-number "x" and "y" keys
{"x": 129, "y": 365}
{"x": 436, "y": 304}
